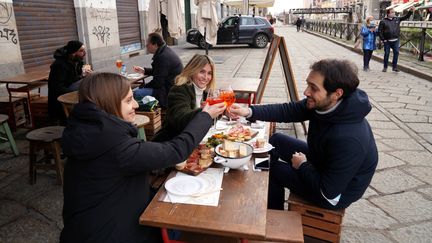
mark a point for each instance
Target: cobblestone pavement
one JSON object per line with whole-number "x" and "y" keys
{"x": 397, "y": 207}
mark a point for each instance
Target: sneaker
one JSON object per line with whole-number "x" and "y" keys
{"x": 365, "y": 69}
{"x": 396, "y": 70}
{"x": 384, "y": 70}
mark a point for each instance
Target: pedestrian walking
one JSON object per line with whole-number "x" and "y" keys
{"x": 298, "y": 23}
{"x": 369, "y": 34}
{"x": 389, "y": 31}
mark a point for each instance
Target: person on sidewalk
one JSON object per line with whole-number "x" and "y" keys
{"x": 64, "y": 76}
{"x": 298, "y": 23}
{"x": 369, "y": 34}
{"x": 334, "y": 168}
{"x": 389, "y": 32}
{"x": 186, "y": 96}
{"x": 106, "y": 184}
{"x": 166, "y": 65}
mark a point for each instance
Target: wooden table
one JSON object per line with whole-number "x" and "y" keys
{"x": 27, "y": 82}
{"x": 241, "y": 212}
{"x": 248, "y": 86}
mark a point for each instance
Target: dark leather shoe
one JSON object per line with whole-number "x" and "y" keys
{"x": 384, "y": 70}
{"x": 396, "y": 70}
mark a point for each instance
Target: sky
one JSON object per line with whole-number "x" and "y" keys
{"x": 281, "y": 5}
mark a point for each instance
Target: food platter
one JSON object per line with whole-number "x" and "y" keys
{"x": 200, "y": 159}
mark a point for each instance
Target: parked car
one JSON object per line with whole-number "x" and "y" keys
{"x": 253, "y": 30}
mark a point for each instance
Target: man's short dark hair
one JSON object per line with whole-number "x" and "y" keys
{"x": 156, "y": 38}
{"x": 337, "y": 74}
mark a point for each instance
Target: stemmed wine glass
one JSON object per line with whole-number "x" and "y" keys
{"x": 228, "y": 96}
{"x": 119, "y": 64}
{"x": 213, "y": 97}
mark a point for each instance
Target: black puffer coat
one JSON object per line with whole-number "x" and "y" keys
{"x": 106, "y": 184}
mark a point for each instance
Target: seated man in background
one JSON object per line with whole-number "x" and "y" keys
{"x": 335, "y": 167}
{"x": 166, "y": 65}
{"x": 66, "y": 71}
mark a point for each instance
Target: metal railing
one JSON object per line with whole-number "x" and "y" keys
{"x": 351, "y": 32}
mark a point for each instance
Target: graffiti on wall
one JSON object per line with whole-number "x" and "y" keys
{"x": 5, "y": 13}
{"x": 7, "y": 32}
{"x": 102, "y": 33}
{"x": 102, "y": 19}
{"x": 9, "y": 35}
{"x": 100, "y": 14}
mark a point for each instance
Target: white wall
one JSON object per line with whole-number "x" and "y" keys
{"x": 10, "y": 61}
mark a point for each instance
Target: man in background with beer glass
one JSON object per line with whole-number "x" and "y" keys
{"x": 166, "y": 65}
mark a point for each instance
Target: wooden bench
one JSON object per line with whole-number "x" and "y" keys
{"x": 281, "y": 226}
{"x": 318, "y": 222}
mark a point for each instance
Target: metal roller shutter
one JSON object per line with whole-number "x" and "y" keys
{"x": 43, "y": 26}
{"x": 129, "y": 23}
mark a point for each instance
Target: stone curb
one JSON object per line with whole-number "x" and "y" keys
{"x": 402, "y": 67}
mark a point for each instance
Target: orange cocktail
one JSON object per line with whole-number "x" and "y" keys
{"x": 228, "y": 96}
{"x": 119, "y": 63}
{"x": 214, "y": 100}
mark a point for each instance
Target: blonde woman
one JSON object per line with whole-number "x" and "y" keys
{"x": 185, "y": 97}
{"x": 369, "y": 34}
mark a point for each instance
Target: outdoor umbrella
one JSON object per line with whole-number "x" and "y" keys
{"x": 154, "y": 24}
{"x": 207, "y": 20}
{"x": 176, "y": 26}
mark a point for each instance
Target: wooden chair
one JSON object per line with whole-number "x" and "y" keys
{"x": 6, "y": 138}
{"x": 318, "y": 222}
{"x": 45, "y": 139}
{"x": 155, "y": 123}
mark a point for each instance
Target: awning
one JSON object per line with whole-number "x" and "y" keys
{"x": 405, "y": 6}
{"x": 392, "y": 6}
{"x": 256, "y": 3}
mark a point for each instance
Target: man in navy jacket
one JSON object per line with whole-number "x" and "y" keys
{"x": 166, "y": 66}
{"x": 336, "y": 165}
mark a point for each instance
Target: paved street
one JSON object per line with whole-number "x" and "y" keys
{"x": 397, "y": 207}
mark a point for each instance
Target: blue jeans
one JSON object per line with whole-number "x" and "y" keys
{"x": 143, "y": 92}
{"x": 282, "y": 174}
{"x": 394, "y": 45}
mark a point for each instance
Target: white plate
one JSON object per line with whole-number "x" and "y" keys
{"x": 185, "y": 185}
{"x": 267, "y": 147}
{"x": 221, "y": 126}
{"x": 133, "y": 75}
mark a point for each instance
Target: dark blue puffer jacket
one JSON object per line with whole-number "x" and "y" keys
{"x": 342, "y": 151}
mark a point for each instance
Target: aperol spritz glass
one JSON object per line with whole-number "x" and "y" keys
{"x": 119, "y": 64}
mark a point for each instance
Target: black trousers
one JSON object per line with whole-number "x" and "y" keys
{"x": 367, "y": 54}
{"x": 282, "y": 174}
